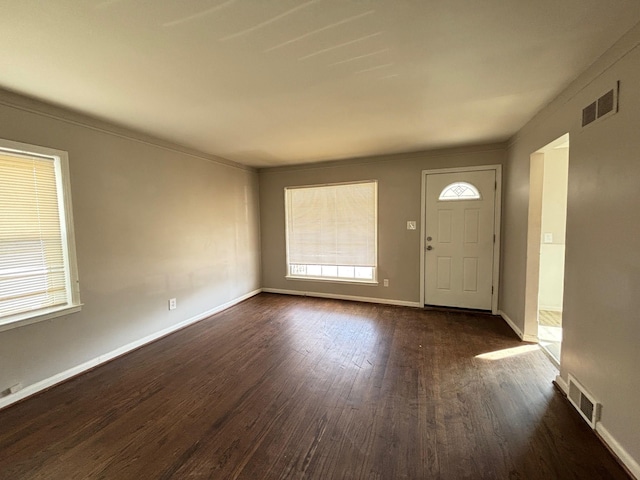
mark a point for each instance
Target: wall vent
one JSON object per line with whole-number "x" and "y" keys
{"x": 587, "y": 407}
{"x": 606, "y": 103}
{"x": 605, "y": 106}
{"x": 589, "y": 114}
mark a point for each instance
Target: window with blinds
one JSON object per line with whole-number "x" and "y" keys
{"x": 35, "y": 266}
{"x": 332, "y": 231}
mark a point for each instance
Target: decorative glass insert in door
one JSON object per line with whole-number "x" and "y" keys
{"x": 459, "y": 191}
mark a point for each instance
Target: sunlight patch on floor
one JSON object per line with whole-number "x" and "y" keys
{"x": 508, "y": 352}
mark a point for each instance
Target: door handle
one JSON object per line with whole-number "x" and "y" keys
{"x": 429, "y": 247}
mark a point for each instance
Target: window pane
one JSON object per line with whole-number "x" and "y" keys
{"x": 329, "y": 271}
{"x": 298, "y": 269}
{"x": 314, "y": 270}
{"x": 345, "y": 272}
{"x": 365, "y": 273}
{"x": 332, "y": 226}
{"x": 459, "y": 191}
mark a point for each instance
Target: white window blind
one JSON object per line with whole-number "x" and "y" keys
{"x": 34, "y": 268}
{"x": 332, "y": 231}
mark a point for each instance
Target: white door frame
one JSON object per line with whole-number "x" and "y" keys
{"x": 496, "y": 226}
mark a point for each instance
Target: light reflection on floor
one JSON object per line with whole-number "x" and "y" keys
{"x": 328, "y": 334}
{"x": 550, "y": 333}
{"x": 508, "y": 352}
{"x": 550, "y": 339}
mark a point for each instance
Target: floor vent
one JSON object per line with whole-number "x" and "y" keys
{"x": 605, "y": 106}
{"x": 584, "y": 403}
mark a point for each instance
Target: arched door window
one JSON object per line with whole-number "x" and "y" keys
{"x": 459, "y": 191}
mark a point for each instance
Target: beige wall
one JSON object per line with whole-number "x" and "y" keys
{"x": 602, "y": 276}
{"x": 399, "y": 190}
{"x": 554, "y": 218}
{"x": 151, "y": 223}
{"x": 554, "y": 194}
{"x": 551, "y": 290}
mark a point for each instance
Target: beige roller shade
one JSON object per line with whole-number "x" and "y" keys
{"x": 332, "y": 224}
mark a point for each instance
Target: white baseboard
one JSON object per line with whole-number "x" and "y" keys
{"x": 353, "y": 298}
{"x": 515, "y": 328}
{"x": 627, "y": 460}
{"x": 618, "y": 450}
{"x": 83, "y": 367}
{"x": 551, "y": 358}
{"x": 564, "y": 386}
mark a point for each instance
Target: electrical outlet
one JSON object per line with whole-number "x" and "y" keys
{"x": 385, "y": 282}
{"x": 548, "y": 238}
{"x": 173, "y": 304}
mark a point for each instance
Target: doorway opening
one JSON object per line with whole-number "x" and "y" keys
{"x": 548, "y": 193}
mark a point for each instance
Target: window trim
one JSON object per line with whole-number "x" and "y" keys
{"x": 74, "y": 304}
{"x": 288, "y": 276}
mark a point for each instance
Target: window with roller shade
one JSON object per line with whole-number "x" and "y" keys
{"x": 332, "y": 232}
{"x": 38, "y": 277}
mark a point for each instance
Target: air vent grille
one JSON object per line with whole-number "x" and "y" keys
{"x": 605, "y": 106}
{"x": 584, "y": 403}
{"x": 605, "y": 103}
{"x": 589, "y": 114}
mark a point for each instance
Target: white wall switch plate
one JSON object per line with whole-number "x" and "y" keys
{"x": 411, "y": 225}
{"x": 173, "y": 304}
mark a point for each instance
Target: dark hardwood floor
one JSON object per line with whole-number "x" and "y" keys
{"x": 289, "y": 387}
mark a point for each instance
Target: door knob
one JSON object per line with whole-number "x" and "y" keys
{"x": 429, "y": 247}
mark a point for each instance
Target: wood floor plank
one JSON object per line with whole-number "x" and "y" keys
{"x": 283, "y": 387}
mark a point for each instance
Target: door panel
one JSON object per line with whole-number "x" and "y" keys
{"x": 460, "y": 232}
{"x": 471, "y": 225}
{"x": 444, "y": 273}
{"x": 444, "y": 226}
{"x": 470, "y": 274}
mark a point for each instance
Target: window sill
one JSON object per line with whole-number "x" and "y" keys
{"x": 333, "y": 280}
{"x": 27, "y": 318}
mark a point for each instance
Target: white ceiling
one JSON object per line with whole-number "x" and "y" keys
{"x": 291, "y": 81}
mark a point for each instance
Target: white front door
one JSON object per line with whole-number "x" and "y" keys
{"x": 459, "y": 238}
